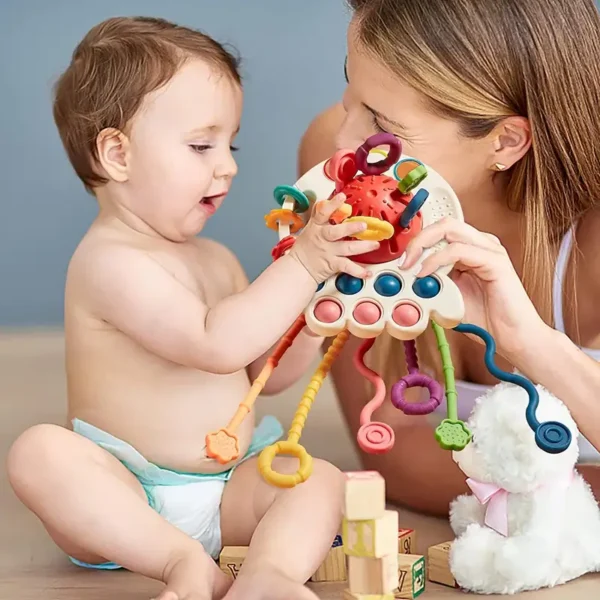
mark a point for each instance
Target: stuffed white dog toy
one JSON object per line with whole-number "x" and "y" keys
{"x": 532, "y": 520}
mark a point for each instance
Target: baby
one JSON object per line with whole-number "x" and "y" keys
{"x": 164, "y": 334}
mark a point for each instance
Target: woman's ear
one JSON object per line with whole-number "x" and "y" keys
{"x": 113, "y": 154}
{"x": 511, "y": 141}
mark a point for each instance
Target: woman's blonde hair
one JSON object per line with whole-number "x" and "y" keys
{"x": 480, "y": 61}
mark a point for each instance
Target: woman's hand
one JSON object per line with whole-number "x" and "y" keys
{"x": 494, "y": 296}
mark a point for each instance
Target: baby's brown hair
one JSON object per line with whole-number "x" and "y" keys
{"x": 113, "y": 68}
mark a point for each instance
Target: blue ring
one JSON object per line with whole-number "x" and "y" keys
{"x": 281, "y": 191}
{"x": 552, "y": 437}
{"x": 413, "y": 207}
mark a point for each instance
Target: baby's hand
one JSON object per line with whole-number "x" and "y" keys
{"x": 321, "y": 247}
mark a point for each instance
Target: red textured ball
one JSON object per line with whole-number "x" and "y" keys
{"x": 378, "y": 196}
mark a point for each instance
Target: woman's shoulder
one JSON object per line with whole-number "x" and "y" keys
{"x": 318, "y": 142}
{"x": 589, "y": 244}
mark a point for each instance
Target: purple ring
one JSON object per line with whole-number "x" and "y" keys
{"x": 416, "y": 380}
{"x": 379, "y": 167}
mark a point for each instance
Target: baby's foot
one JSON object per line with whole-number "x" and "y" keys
{"x": 268, "y": 584}
{"x": 195, "y": 577}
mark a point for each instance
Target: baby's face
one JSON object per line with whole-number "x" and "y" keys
{"x": 181, "y": 164}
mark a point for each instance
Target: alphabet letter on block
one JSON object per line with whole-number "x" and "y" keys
{"x": 438, "y": 565}
{"x": 407, "y": 541}
{"x": 334, "y": 565}
{"x": 365, "y": 495}
{"x": 372, "y": 538}
{"x": 411, "y": 576}
{"x": 231, "y": 559}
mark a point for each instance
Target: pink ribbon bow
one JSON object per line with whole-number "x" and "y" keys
{"x": 496, "y": 498}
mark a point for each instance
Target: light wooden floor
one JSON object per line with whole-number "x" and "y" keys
{"x": 31, "y": 568}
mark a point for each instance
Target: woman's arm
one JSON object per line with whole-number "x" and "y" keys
{"x": 496, "y": 300}
{"x": 553, "y": 360}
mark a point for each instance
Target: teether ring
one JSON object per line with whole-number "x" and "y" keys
{"x": 291, "y": 445}
{"x": 376, "y": 229}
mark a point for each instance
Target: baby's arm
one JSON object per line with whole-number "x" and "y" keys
{"x": 297, "y": 359}
{"x": 133, "y": 292}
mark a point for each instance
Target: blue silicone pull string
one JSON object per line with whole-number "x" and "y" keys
{"x": 552, "y": 437}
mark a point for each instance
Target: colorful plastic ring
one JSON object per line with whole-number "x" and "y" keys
{"x": 376, "y": 230}
{"x": 413, "y": 207}
{"x": 402, "y": 164}
{"x": 282, "y": 247}
{"x": 282, "y": 480}
{"x": 413, "y": 179}
{"x": 341, "y": 168}
{"x": 379, "y": 167}
{"x": 281, "y": 191}
{"x": 283, "y": 216}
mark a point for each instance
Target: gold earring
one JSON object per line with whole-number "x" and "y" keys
{"x": 500, "y": 167}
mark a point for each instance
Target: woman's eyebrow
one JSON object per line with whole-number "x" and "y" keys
{"x": 382, "y": 117}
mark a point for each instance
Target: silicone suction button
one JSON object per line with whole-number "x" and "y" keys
{"x": 367, "y": 313}
{"x": 406, "y": 315}
{"x": 328, "y": 311}
{"x": 388, "y": 285}
{"x": 426, "y": 287}
{"x": 348, "y": 285}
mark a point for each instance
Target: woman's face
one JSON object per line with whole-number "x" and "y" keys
{"x": 376, "y": 100}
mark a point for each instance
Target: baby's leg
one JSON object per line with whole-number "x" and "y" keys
{"x": 289, "y": 531}
{"x": 96, "y": 511}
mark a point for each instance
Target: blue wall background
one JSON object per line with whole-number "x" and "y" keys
{"x": 293, "y": 68}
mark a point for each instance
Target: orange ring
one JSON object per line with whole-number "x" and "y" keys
{"x": 283, "y": 216}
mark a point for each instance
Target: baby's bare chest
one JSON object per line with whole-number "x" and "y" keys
{"x": 202, "y": 274}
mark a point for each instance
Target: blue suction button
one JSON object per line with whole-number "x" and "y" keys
{"x": 388, "y": 285}
{"x": 426, "y": 287}
{"x": 348, "y": 285}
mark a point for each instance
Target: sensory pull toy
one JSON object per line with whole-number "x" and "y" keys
{"x": 396, "y": 196}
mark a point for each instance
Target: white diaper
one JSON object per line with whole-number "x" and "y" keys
{"x": 189, "y": 501}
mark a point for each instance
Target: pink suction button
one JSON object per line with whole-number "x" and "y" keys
{"x": 406, "y": 315}
{"x": 328, "y": 311}
{"x": 367, "y": 313}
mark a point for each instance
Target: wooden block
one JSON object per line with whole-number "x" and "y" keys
{"x": 372, "y": 538}
{"x": 438, "y": 565}
{"x": 231, "y": 559}
{"x": 373, "y": 575}
{"x": 411, "y": 576}
{"x": 348, "y": 595}
{"x": 365, "y": 495}
{"x": 407, "y": 541}
{"x": 334, "y": 565}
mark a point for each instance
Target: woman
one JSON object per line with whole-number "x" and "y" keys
{"x": 501, "y": 99}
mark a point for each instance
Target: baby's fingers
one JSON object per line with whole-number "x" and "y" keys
{"x": 325, "y": 208}
{"x": 354, "y": 269}
{"x": 355, "y": 247}
{"x": 333, "y": 233}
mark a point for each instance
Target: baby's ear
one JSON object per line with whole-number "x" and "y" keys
{"x": 112, "y": 146}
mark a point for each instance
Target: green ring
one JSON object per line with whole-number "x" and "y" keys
{"x": 281, "y": 191}
{"x": 412, "y": 179}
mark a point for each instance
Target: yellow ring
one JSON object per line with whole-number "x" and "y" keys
{"x": 377, "y": 229}
{"x": 265, "y": 460}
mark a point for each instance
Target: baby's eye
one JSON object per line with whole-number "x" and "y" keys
{"x": 200, "y": 148}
